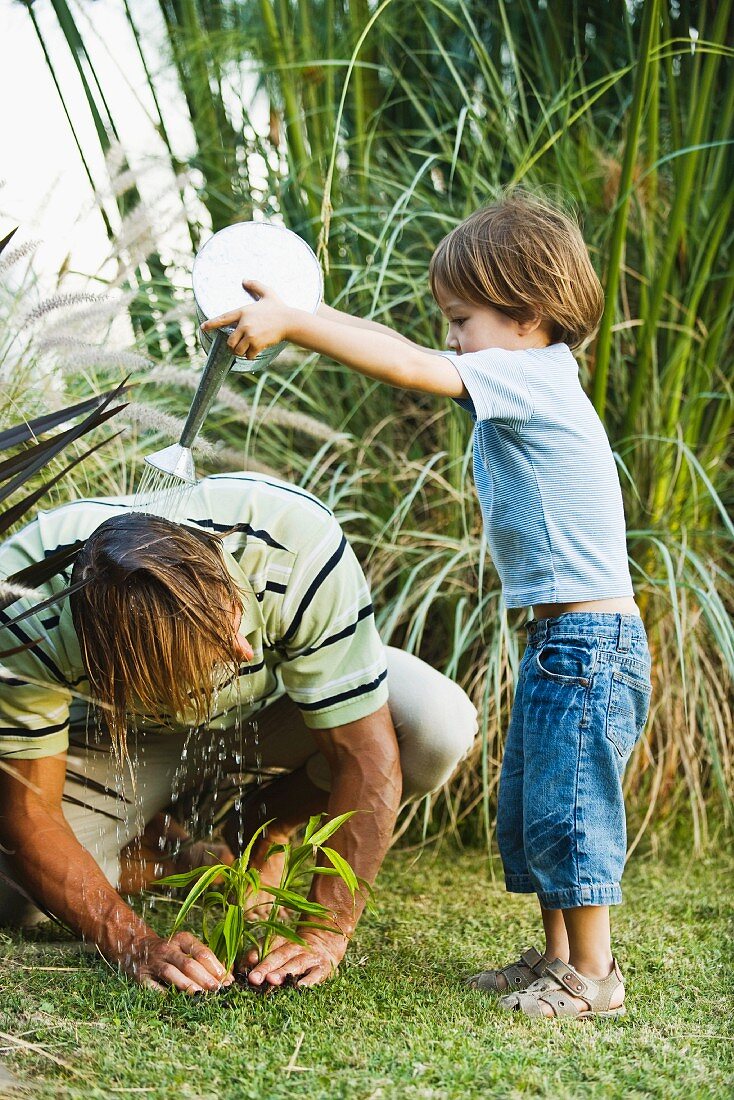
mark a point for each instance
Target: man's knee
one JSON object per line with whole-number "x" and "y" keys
{"x": 435, "y": 721}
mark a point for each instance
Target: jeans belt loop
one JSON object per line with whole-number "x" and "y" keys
{"x": 624, "y": 643}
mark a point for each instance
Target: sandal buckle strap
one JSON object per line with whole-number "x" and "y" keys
{"x": 569, "y": 978}
{"x": 534, "y": 961}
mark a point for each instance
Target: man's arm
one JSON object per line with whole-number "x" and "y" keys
{"x": 365, "y": 776}
{"x": 375, "y": 353}
{"x": 59, "y": 873}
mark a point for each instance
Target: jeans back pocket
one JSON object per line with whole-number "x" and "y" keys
{"x": 629, "y": 703}
{"x": 566, "y": 661}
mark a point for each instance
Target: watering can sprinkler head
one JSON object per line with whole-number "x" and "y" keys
{"x": 240, "y": 253}
{"x": 177, "y": 461}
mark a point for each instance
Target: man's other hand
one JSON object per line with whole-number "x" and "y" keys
{"x": 307, "y": 966}
{"x": 182, "y": 962}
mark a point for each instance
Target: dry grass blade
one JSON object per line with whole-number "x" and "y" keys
{"x": 23, "y": 1044}
{"x": 292, "y": 1067}
{"x": 54, "y": 969}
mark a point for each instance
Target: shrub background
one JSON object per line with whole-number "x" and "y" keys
{"x": 388, "y": 123}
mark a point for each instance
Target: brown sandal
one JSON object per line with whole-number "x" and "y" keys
{"x": 557, "y": 988}
{"x": 517, "y": 976}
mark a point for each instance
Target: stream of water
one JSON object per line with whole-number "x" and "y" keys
{"x": 161, "y": 494}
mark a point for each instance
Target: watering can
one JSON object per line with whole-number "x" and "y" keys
{"x": 259, "y": 251}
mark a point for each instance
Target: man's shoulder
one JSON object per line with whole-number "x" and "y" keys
{"x": 278, "y": 513}
{"x": 260, "y": 487}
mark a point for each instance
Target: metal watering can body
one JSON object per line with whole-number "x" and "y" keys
{"x": 261, "y": 251}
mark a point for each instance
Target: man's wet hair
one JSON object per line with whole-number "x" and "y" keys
{"x": 155, "y": 615}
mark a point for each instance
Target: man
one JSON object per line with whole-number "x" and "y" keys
{"x": 241, "y": 637}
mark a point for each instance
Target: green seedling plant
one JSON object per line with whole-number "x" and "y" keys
{"x": 234, "y": 918}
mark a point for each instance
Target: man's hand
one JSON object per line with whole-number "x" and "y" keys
{"x": 182, "y": 962}
{"x": 256, "y": 327}
{"x": 364, "y": 762}
{"x": 308, "y": 965}
{"x": 57, "y": 871}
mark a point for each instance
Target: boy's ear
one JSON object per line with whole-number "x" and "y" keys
{"x": 532, "y": 324}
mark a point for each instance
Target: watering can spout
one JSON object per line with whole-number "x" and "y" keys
{"x": 178, "y": 460}
{"x": 175, "y": 460}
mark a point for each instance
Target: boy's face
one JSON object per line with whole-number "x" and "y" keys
{"x": 474, "y": 328}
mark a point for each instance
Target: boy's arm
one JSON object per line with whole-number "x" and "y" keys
{"x": 331, "y": 314}
{"x": 373, "y": 353}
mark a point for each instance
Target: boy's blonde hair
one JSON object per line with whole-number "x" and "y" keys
{"x": 527, "y": 258}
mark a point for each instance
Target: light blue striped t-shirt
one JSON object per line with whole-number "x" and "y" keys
{"x": 546, "y": 477}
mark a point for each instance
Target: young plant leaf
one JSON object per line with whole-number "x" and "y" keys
{"x": 327, "y": 830}
{"x": 252, "y": 940}
{"x": 313, "y": 824}
{"x": 276, "y": 928}
{"x": 345, "y": 872}
{"x": 333, "y": 927}
{"x": 251, "y": 883}
{"x": 228, "y": 924}
{"x": 243, "y": 860}
{"x": 289, "y": 899}
{"x": 215, "y": 940}
{"x": 183, "y": 878}
{"x": 232, "y": 932}
{"x": 210, "y": 873}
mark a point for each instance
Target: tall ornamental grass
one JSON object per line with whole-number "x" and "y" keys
{"x": 389, "y": 123}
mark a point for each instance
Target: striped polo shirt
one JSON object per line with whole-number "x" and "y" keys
{"x": 307, "y": 614}
{"x": 545, "y": 476}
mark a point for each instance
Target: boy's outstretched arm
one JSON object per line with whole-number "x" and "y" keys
{"x": 331, "y": 314}
{"x": 373, "y": 353}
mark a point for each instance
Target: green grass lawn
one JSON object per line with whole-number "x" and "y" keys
{"x": 396, "y": 1022}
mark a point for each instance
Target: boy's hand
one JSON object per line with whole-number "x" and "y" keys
{"x": 257, "y": 326}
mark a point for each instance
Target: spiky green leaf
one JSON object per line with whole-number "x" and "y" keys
{"x": 201, "y": 886}
{"x": 232, "y": 931}
{"x": 340, "y": 865}
{"x": 313, "y": 824}
{"x": 327, "y": 830}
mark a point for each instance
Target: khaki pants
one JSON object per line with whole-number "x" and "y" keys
{"x": 434, "y": 720}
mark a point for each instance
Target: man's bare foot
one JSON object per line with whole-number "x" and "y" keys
{"x": 165, "y": 848}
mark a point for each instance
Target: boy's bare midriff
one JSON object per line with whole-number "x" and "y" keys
{"x": 621, "y": 605}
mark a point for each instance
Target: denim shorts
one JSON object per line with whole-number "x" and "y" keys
{"x": 582, "y": 700}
